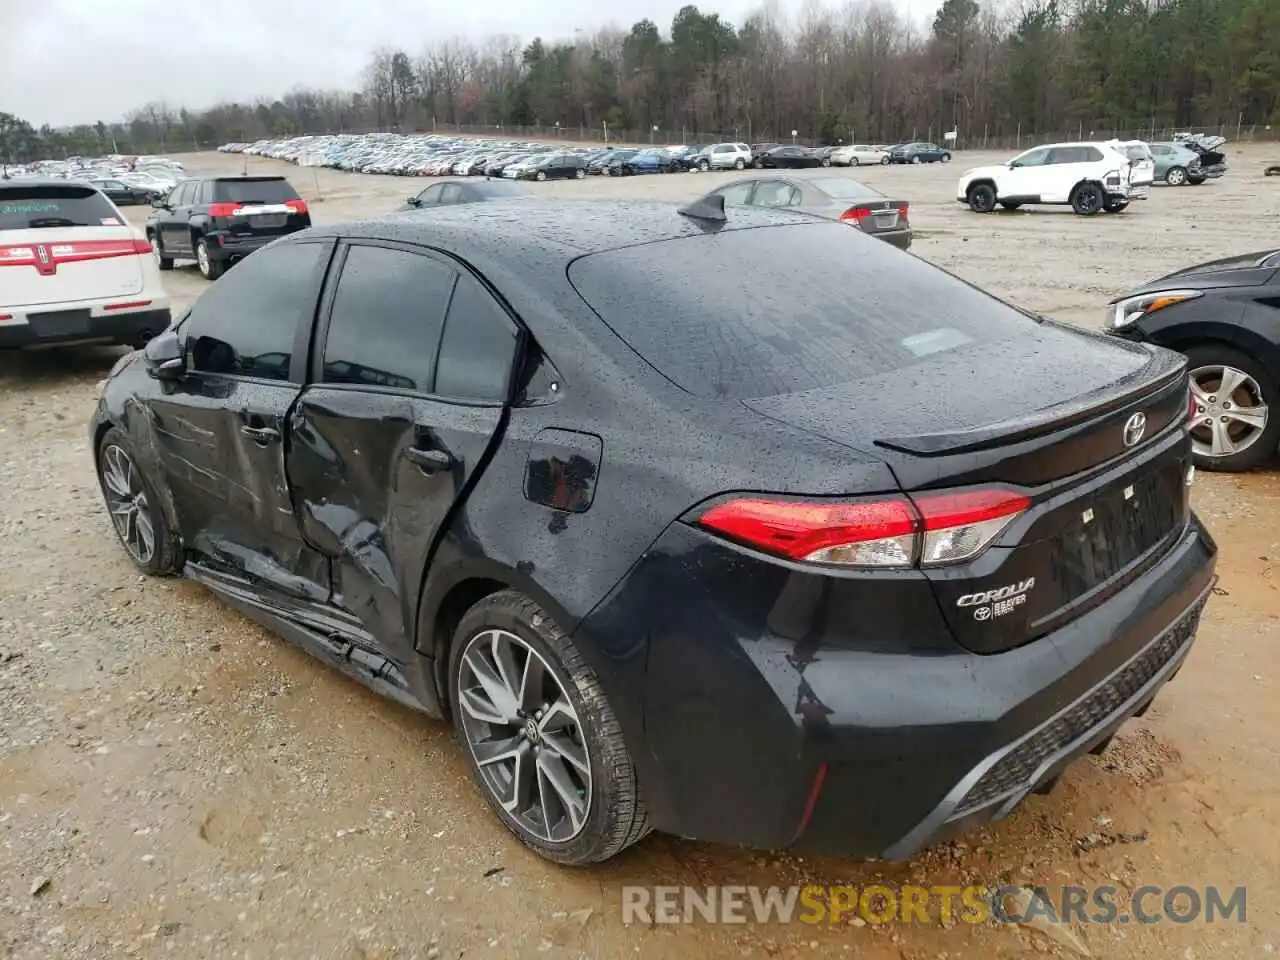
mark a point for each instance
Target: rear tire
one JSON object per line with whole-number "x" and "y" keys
{"x": 579, "y": 174}
{"x": 510, "y": 629}
{"x": 209, "y": 268}
{"x": 1115, "y": 206}
{"x": 1087, "y": 199}
{"x": 982, "y": 198}
{"x": 1195, "y": 181}
{"x": 1010, "y": 204}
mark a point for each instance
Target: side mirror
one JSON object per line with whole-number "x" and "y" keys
{"x": 160, "y": 203}
{"x": 414, "y": 202}
{"x": 1013, "y": 164}
{"x": 164, "y": 356}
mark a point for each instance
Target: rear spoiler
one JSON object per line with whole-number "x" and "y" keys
{"x": 1162, "y": 373}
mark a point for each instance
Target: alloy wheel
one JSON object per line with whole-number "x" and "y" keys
{"x": 128, "y": 504}
{"x": 202, "y": 258}
{"x": 155, "y": 248}
{"x": 524, "y": 735}
{"x": 1231, "y": 412}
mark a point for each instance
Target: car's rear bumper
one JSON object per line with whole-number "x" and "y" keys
{"x": 69, "y": 326}
{"x": 783, "y": 708}
{"x": 226, "y": 246}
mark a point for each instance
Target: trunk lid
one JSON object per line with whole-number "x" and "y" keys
{"x": 69, "y": 264}
{"x": 1106, "y": 498}
{"x": 258, "y": 206}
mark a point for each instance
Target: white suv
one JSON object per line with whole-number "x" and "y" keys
{"x": 72, "y": 269}
{"x": 723, "y": 156}
{"x": 1091, "y": 177}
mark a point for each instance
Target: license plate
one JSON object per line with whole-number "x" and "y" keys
{"x": 59, "y": 324}
{"x": 269, "y": 219}
{"x": 886, "y": 221}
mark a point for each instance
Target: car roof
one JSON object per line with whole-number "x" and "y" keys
{"x": 49, "y": 182}
{"x": 537, "y": 232}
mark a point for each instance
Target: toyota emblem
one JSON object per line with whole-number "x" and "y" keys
{"x": 1134, "y": 428}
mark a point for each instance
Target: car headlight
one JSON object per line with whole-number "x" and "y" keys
{"x": 1126, "y": 312}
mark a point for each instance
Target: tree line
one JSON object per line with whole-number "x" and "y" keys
{"x": 860, "y": 72}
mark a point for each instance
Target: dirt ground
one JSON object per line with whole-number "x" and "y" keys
{"x": 176, "y": 782}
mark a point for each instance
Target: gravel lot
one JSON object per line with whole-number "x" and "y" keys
{"x": 176, "y": 782}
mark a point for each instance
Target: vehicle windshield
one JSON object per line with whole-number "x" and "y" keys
{"x": 253, "y": 191}
{"x": 32, "y": 207}
{"x": 773, "y": 310}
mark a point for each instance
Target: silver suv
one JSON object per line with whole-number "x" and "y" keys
{"x": 724, "y": 156}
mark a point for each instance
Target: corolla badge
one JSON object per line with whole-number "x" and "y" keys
{"x": 997, "y": 602}
{"x": 1134, "y": 428}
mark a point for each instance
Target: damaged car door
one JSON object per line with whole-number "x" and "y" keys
{"x": 220, "y": 429}
{"x": 407, "y": 390}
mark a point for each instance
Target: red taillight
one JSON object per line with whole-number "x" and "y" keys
{"x": 902, "y": 210}
{"x": 929, "y": 529}
{"x": 75, "y": 250}
{"x": 856, "y": 214}
{"x": 131, "y": 305}
{"x": 223, "y": 209}
{"x": 296, "y": 206}
{"x": 813, "y": 530}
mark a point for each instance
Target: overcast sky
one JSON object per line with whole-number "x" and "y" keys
{"x": 77, "y": 61}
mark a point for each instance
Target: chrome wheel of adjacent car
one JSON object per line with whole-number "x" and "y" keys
{"x": 524, "y": 735}
{"x": 128, "y": 504}
{"x": 1231, "y": 411}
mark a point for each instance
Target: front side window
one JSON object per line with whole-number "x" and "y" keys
{"x": 1032, "y": 158}
{"x": 246, "y": 323}
{"x": 388, "y": 312}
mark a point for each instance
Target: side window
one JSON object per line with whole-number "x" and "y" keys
{"x": 1093, "y": 155}
{"x": 245, "y": 324}
{"x": 737, "y": 193}
{"x": 478, "y": 348}
{"x": 202, "y": 192}
{"x": 1033, "y": 158}
{"x": 450, "y": 193}
{"x": 384, "y": 329}
{"x": 742, "y": 148}
{"x": 430, "y": 195}
{"x": 724, "y": 148}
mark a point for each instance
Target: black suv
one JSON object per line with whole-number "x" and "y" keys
{"x": 220, "y": 219}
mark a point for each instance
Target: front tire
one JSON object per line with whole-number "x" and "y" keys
{"x": 579, "y": 174}
{"x": 1010, "y": 204}
{"x": 543, "y": 743}
{"x": 163, "y": 262}
{"x": 1232, "y": 429}
{"x": 915, "y": 159}
{"x": 1087, "y": 199}
{"x": 982, "y": 198}
{"x": 540, "y": 176}
{"x": 884, "y": 161}
{"x": 946, "y": 158}
{"x": 740, "y": 164}
{"x": 1115, "y": 206}
{"x": 135, "y": 509}
{"x": 1176, "y": 177}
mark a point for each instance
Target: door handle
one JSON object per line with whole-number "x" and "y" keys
{"x": 429, "y": 461}
{"x": 262, "y": 435}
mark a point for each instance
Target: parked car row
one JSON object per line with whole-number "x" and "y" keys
{"x": 126, "y": 180}
{"x": 1091, "y": 176}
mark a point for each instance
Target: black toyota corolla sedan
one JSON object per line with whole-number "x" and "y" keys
{"x": 1225, "y": 316}
{"x": 744, "y": 527}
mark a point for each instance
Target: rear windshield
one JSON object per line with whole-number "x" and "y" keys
{"x": 253, "y": 191}
{"x": 27, "y": 207}
{"x": 754, "y": 313}
{"x": 842, "y": 188}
